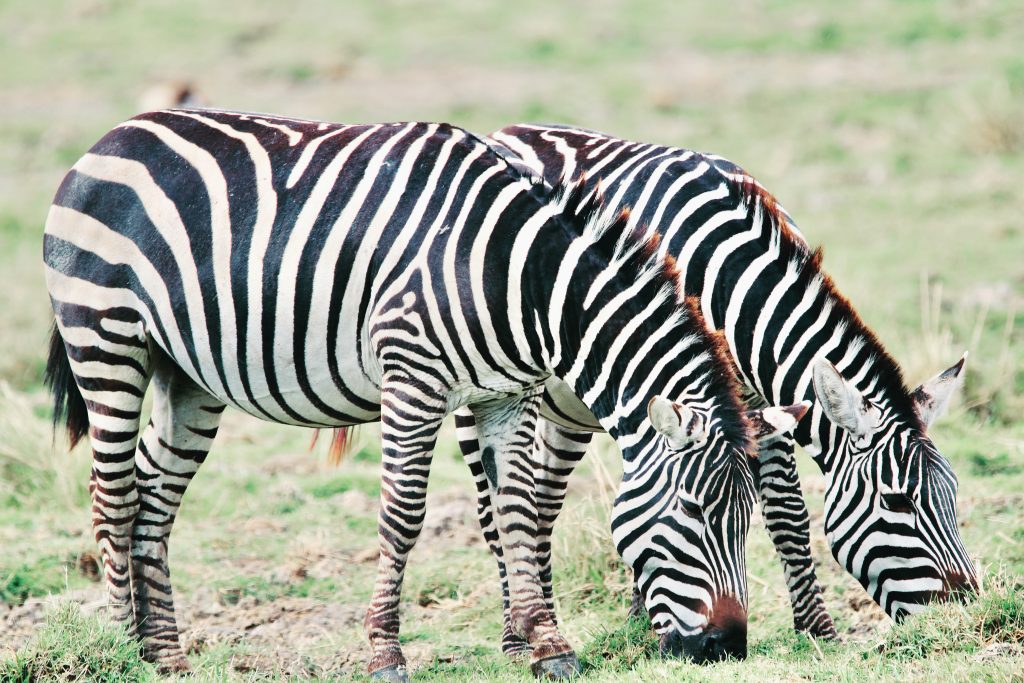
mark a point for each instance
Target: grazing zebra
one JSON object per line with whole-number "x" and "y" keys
{"x": 563, "y": 448}
{"x": 327, "y": 275}
{"x": 890, "y": 501}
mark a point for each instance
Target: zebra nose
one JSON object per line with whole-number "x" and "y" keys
{"x": 726, "y": 633}
{"x": 712, "y": 645}
{"x": 724, "y": 636}
{"x": 719, "y": 644}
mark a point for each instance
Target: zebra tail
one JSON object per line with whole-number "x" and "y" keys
{"x": 343, "y": 440}
{"x": 68, "y": 404}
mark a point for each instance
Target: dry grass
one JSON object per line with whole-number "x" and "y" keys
{"x": 34, "y": 462}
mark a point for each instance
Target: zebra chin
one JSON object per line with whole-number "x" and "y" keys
{"x": 724, "y": 637}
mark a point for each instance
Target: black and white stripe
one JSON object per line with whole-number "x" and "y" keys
{"x": 329, "y": 275}
{"x": 890, "y": 503}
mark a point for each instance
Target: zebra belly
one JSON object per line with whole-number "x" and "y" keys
{"x": 303, "y": 392}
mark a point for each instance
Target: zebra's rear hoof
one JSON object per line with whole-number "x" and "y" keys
{"x": 558, "y": 668}
{"x": 396, "y": 673}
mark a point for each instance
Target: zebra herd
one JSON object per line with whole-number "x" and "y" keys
{"x": 543, "y": 284}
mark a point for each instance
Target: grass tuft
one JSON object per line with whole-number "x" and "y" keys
{"x": 995, "y": 616}
{"x": 74, "y": 647}
{"x": 622, "y": 648}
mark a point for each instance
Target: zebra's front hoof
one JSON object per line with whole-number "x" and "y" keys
{"x": 821, "y": 628}
{"x": 396, "y": 673}
{"x": 518, "y": 651}
{"x": 558, "y": 668}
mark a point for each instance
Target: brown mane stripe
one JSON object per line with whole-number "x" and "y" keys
{"x": 724, "y": 383}
{"x": 891, "y": 384}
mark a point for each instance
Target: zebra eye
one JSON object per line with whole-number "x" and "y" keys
{"x": 691, "y": 509}
{"x": 897, "y": 502}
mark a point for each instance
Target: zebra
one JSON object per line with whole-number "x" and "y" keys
{"x": 563, "y": 448}
{"x": 326, "y": 275}
{"x": 890, "y": 500}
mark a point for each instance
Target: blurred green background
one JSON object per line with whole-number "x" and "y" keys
{"x": 893, "y": 131}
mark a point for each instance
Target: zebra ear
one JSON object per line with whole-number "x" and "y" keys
{"x": 842, "y": 402}
{"x": 679, "y": 424}
{"x": 932, "y": 397}
{"x": 776, "y": 421}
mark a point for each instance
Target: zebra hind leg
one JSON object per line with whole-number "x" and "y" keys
{"x": 410, "y": 420}
{"x": 111, "y": 373}
{"x": 506, "y": 433}
{"x": 180, "y": 433}
{"x": 785, "y": 516}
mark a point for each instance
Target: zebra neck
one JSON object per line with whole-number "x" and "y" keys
{"x": 606, "y": 323}
{"x": 624, "y": 340}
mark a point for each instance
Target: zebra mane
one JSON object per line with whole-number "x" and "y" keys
{"x": 638, "y": 255}
{"x": 807, "y": 263}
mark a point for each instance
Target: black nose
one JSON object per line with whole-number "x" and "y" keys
{"x": 719, "y": 644}
{"x": 713, "y": 645}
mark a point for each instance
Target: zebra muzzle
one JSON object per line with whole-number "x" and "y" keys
{"x": 724, "y": 637}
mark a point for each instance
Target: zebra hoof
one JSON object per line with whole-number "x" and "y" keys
{"x": 517, "y": 650}
{"x": 173, "y": 666}
{"x": 558, "y": 668}
{"x": 519, "y": 653}
{"x": 395, "y": 673}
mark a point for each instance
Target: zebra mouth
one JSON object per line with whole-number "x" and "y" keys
{"x": 953, "y": 586}
{"x": 725, "y": 636}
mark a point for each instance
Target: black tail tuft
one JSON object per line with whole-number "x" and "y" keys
{"x": 68, "y": 404}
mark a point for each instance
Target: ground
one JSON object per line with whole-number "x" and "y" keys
{"x": 890, "y": 130}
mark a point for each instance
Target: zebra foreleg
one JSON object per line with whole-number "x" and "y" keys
{"x": 485, "y": 478}
{"x": 507, "y": 430}
{"x": 410, "y": 421}
{"x": 785, "y": 516}
{"x": 559, "y": 450}
{"x": 174, "y": 445}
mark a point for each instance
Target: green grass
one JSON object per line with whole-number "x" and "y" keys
{"x": 890, "y": 130}
{"x": 995, "y": 618}
{"x": 75, "y": 647}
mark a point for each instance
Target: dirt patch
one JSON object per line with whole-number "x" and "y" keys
{"x": 291, "y": 636}
{"x": 868, "y": 620}
{"x": 452, "y": 518}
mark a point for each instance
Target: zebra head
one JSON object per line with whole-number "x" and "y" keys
{"x": 890, "y": 512}
{"x": 681, "y": 519}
